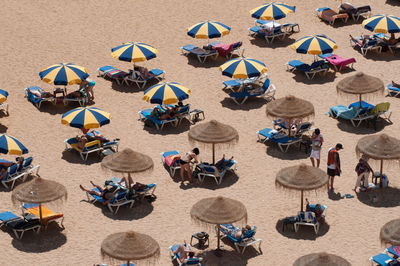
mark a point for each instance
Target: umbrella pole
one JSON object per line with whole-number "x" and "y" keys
{"x": 301, "y": 206}
{"x": 128, "y": 263}
{"x": 289, "y": 128}
{"x": 380, "y": 174}
{"x": 40, "y": 213}
{"x": 129, "y": 182}
{"x": 360, "y": 101}
{"x": 213, "y": 153}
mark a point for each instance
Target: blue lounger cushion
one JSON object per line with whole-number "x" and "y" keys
{"x": 382, "y": 259}
{"x": 231, "y": 83}
{"x": 189, "y": 47}
{"x": 322, "y": 9}
{"x": 106, "y": 68}
{"x": 392, "y": 88}
{"x": 260, "y": 21}
{"x": 168, "y": 153}
{"x": 7, "y": 216}
{"x": 393, "y": 252}
{"x": 156, "y": 71}
{"x": 299, "y": 65}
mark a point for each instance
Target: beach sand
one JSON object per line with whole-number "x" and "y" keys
{"x": 36, "y": 34}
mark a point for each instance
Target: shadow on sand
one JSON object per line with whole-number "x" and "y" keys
{"x": 278, "y": 43}
{"x": 249, "y": 104}
{"x": 304, "y": 232}
{"x": 293, "y": 153}
{"x": 380, "y": 197}
{"x": 230, "y": 257}
{"x": 364, "y": 128}
{"x": 72, "y": 156}
{"x": 168, "y": 129}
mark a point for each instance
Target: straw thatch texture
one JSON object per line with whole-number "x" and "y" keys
{"x": 390, "y": 233}
{"x": 321, "y": 259}
{"x": 39, "y": 190}
{"x": 301, "y": 177}
{"x": 290, "y": 107}
{"x": 360, "y": 83}
{"x": 127, "y": 161}
{"x": 130, "y": 246}
{"x": 218, "y": 210}
{"x": 379, "y": 147}
{"x": 213, "y": 132}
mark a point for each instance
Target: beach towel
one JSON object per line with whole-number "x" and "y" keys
{"x": 339, "y": 61}
{"x": 223, "y": 49}
{"x": 169, "y": 160}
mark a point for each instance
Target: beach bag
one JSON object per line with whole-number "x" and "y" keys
{"x": 385, "y": 181}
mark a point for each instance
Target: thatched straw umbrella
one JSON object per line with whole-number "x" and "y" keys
{"x": 301, "y": 177}
{"x": 213, "y": 132}
{"x": 130, "y": 246}
{"x": 289, "y": 108}
{"x": 379, "y": 147}
{"x": 321, "y": 259}
{"x": 218, "y": 210}
{"x": 39, "y": 190}
{"x": 360, "y": 84}
{"x": 128, "y": 161}
{"x": 390, "y": 233}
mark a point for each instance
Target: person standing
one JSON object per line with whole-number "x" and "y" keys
{"x": 317, "y": 140}
{"x": 363, "y": 169}
{"x": 185, "y": 161}
{"x": 333, "y": 164}
{"x": 87, "y": 86}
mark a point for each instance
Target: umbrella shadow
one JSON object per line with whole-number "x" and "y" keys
{"x": 380, "y": 197}
{"x": 366, "y": 127}
{"x": 167, "y": 129}
{"x": 50, "y": 239}
{"x": 209, "y": 63}
{"x": 52, "y": 109}
{"x": 72, "y": 156}
{"x": 3, "y": 128}
{"x": 260, "y": 42}
{"x": 292, "y": 154}
{"x": 139, "y": 210}
{"x": 230, "y": 257}
{"x": 133, "y": 88}
{"x": 393, "y": 2}
{"x": 318, "y": 79}
{"x": 304, "y": 232}
{"x": 249, "y": 104}
{"x": 334, "y": 196}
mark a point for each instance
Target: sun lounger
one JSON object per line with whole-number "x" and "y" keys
{"x": 228, "y": 50}
{"x": 187, "y": 261}
{"x": 323, "y": 208}
{"x": 371, "y": 45}
{"x": 112, "y": 73}
{"x": 12, "y": 176}
{"x": 121, "y": 197}
{"x": 200, "y": 53}
{"x": 145, "y": 115}
{"x": 35, "y": 100}
{"x": 393, "y": 91}
{"x": 355, "y": 12}
{"x": 248, "y": 239}
{"x": 148, "y": 191}
{"x": 269, "y": 36}
{"x": 282, "y": 140}
{"x": 82, "y": 101}
{"x": 288, "y": 28}
{"x": 306, "y": 218}
{"x": 90, "y": 147}
{"x": 206, "y": 170}
{"x": 338, "y": 62}
{"x": 19, "y": 225}
{"x": 330, "y": 16}
{"x": 234, "y": 84}
{"x": 394, "y": 251}
{"x": 167, "y": 158}
{"x": 381, "y": 259}
{"x": 47, "y": 214}
{"x": 268, "y": 93}
{"x": 309, "y": 70}
{"x": 113, "y": 144}
{"x": 137, "y": 77}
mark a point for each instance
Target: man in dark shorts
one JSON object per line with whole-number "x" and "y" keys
{"x": 333, "y": 164}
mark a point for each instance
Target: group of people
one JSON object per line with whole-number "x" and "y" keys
{"x": 89, "y": 136}
{"x": 85, "y": 90}
{"x": 384, "y": 42}
{"x": 5, "y": 165}
{"x": 165, "y": 112}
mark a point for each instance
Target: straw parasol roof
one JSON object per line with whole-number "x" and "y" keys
{"x": 301, "y": 177}
{"x": 39, "y": 190}
{"x": 390, "y": 233}
{"x": 360, "y": 83}
{"x": 321, "y": 259}
{"x": 213, "y": 132}
{"x": 379, "y": 147}
{"x": 127, "y": 161}
{"x": 219, "y": 210}
{"x": 129, "y": 246}
{"x": 290, "y": 107}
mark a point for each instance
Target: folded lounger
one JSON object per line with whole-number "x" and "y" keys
{"x": 137, "y": 77}
{"x": 38, "y": 101}
{"x": 90, "y": 147}
{"x": 112, "y": 73}
{"x": 248, "y": 239}
{"x": 121, "y": 198}
{"x": 148, "y": 191}
{"x": 47, "y": 214}
{"x": 269, "y": 36}
{"x": 306, "y": 218}
{"x": 355, "y": 12}
{"x": 288, "y": 28}
{"x": 19, "y": 225}
{"x": 206, "y": 170}
{"x": 381, "y": 259}
{"x": 309, "y": 70}
{"x": 330, "y": 16}
{"x": 283, "y": 140}
{"x": 187, "y": 261}
{"x": 167, "y": 158}
{"x": 338, "y": 62}
{"x": 371, "y": 45}
{"x": 228, "y": 50}
{"x": 201, "y": 54}
{"x": 268, "y": 92}
{"x": 394, "y": 91}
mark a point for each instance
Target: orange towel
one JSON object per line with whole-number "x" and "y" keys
{"x": 47, "y": 214}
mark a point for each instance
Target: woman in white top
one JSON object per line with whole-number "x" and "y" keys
{"x": 317, "y": 141}
{"x": 185, "y": 160}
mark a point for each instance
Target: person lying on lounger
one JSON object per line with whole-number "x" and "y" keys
{"x": 82, "y": 140}
{"x": 164, "y": 112}
{"x": 5, "y": 165}
{"x": 96, "y": 136}
{"x": 222, "y": 164}
{"x": 143, "y": 71}
{"x": 38, "y": 94}
{"x": 76, "y": 94}
{"x": 317, "y": 210}
{"x": 237, "y": 232}
{"x": 184, "y": 252}
{"x": 106, "y": 193}
{"x": 391, "y": 41}
{"x": 130, "y": 185}
{"x": 364, "y": 40}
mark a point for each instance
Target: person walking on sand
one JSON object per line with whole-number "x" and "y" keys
{"x": 363, "y": 169}
{"x": 317, "y": 140}
{"x": 333, "y": 164}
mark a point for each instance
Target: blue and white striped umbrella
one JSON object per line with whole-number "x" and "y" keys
{"x": 208, "y": 30}
{"x": 315, "y": 45}
{"x": 10, "y": 145}
{"x": 3, "y": 96}
{"x": 243, "y": 68}
{"x": 64, "y": 74}
{"x": 86, "y": 118}
{"x": 166, "y": 93}
{"x": 382, "y": 24}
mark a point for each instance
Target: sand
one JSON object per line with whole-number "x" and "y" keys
{"x": 36, "y": 34}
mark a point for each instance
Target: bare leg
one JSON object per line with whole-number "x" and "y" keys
{"x": 312, "y": 161}
{"x": 182, "y": 173}
{"x": 189, "y": 173}
{"x": 332, "y": 179}
{"x": 98, "y": 187}
{"x": 318, "y": 161}
{"x": 90, "y": 191}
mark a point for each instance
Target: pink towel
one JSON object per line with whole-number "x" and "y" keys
{"x": 397, "y": 249}
{"x": 339, "y": 61}
{"x": 169, "y": 160}
{"x": 223, "y": 49}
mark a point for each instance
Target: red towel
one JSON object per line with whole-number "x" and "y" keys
{"x": 223, "y": 49}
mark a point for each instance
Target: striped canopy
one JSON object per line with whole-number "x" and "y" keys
{"x": 382, "y": 24}
{"x": 64, "y": 74}
{"x": 243, "y": 68}
{"x": 134, "y": 52}
{"x": 316, "y": 45}
{"x": 272, "y": 11}
{"x": 208, "y": 30}
{"x": 3, "y": 96}
{"x": 86, "y": 118}
{"x": 10, "y": 145}
{"x": 166, "y": 93}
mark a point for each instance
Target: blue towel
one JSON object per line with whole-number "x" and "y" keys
{"x": 156, "y": 71}
{"x": 6, "y": 216}
{"x": 322, "y": 9}
{"x": 168, "y": 153}
{"x": 382, "y": 259}
{"x": 299, "y": 65}
{"x": 231, "y": 83}
{"x": 189, "y": 47}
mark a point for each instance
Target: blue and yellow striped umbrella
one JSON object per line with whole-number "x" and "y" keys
{"x": 315, "y": 45}
{"x": 382, "y": 24}
{"x": 86, "y": 118}
{"x": 3, "y": 96}
{"x": 134, "y": 52}
{"x": 64, "y": 74}
{"x": 243, "y": 68}
{"x": 208, "y": 30}
{"x": 166, "y": 93}
{"x": 272, "y": 11}
{"x": 10, "y": 145}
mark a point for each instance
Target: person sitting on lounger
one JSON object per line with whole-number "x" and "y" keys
{"x": 38, "y": 94}
{"x": 317, "y": 210}
{"x": 237, "y": 232}
{"x": 144, "y": 72}
{"x": 132, "y": 186}
{"x": 363, "y": 41}
{"x": 164, "y": 112}
{"x": 184, "y": 252}
{"x": 222, "y": 164}
{"x": 96, "y": 136}
{"x": 106, "y": 193}
{"x": 82, "y": 140}
{"x": 5, "y": 165}
{"x": 391, "y": 41}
